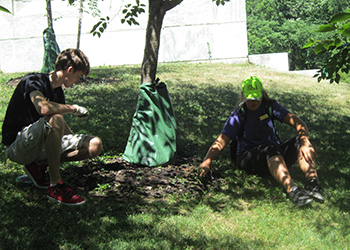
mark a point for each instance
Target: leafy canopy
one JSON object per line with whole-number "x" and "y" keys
{"x": 337, "y": 46}
{"x": 275, "y": 26}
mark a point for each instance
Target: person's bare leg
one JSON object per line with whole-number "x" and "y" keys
{"x": 279, "y": 171}
{"x": 313, "y": 185}
{"x": 53, "y": 147}
{"x": 91, "y": 148}
{"x": 309, "y": 169}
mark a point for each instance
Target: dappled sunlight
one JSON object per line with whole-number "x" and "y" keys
{"x": 169, "y": 207}
{"x": 203, "y": 102}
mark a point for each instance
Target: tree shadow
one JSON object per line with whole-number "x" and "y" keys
{"x": 201, "y": 111}
{"x": 29, "y": 221}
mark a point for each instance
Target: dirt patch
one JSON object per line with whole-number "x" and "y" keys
{"x": 122, "y": 180}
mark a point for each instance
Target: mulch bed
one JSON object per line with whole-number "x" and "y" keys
{"x": 122, "y": 180}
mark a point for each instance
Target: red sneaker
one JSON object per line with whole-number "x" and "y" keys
{"x": 63, "y": 194}
{"x": 37, "y": 174}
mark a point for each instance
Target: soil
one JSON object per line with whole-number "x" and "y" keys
{"x": 122, "y": 180}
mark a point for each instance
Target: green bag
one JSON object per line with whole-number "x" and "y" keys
{"x": 152, "y": 139}
{"x": 51, "y": 50}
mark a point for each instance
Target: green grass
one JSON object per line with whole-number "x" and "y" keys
{"x": 243, "y": 212}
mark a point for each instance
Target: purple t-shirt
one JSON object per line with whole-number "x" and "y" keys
{"x": 258, "y": 127}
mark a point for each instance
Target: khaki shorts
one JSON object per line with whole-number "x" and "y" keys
{"x": 29, "y": 145}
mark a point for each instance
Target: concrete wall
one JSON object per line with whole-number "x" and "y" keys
{"x": 278, "y": 61}
{"x": 196, "y": 30}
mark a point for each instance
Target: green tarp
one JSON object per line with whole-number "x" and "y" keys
{"x": 51, "y": 51}
{"x": 152, "y": 139}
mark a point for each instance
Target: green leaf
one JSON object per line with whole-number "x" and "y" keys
{"x": 345, "y": 30}
{"x": 346, "y": 26}
{"x": 4, "y": 9}
{"x": 222, "y": 2}
{"x": 337, "y": 42}
{"x": 337, "y": 78}
{"x": 318, "y": 48}
{"x": 325, "y": 28}
{"x": 327, "y": 44}
{"x": 339, "y": 17}
{"x": 309, "y": 44}
{"x": 95, "y": 26}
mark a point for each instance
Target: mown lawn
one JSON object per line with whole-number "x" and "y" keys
{"x": 243, "y": 212}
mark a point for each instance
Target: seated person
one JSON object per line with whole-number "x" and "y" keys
{"x": 258, "y": 148}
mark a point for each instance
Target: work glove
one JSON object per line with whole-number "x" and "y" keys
{"x": 81, "y": 112}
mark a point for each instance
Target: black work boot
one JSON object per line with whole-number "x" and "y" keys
{"x": 299, "y": 196}
{"x": 314, "y": 190}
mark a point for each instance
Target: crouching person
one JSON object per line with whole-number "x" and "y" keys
{"x": 35, "y": 132}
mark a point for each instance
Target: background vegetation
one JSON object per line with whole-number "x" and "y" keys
{"x": 242, "y": 212}
{"x": 285, "y": 26}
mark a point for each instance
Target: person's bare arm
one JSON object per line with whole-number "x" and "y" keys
{"x": 213, "y": 152}
{"x": 46, "y": 108}
{"x": 306, "y": 149}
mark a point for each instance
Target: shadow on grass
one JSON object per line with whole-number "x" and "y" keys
{"x": 29, "y": 221}
{"x": 201, "y": 111}
{"x": 331, "y": 140}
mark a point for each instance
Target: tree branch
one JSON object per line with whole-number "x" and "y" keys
{"x": 169, "y": 4}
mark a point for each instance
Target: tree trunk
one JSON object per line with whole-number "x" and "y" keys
{"x": 157, "y": 10}
{"x": 79, "y": 22}
{"x": 49, "y": 13}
